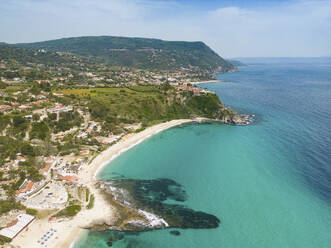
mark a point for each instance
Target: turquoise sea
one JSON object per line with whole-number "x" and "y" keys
{"x": 269, "y": 183}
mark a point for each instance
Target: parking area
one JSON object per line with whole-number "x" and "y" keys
{"x": 53, "y": 196}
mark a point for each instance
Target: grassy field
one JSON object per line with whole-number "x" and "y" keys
{"x": 11, "y": 89}
{"x": 80, "y": 92}
{"x": 143, "y": 104}
{"x": 69, "y": 211}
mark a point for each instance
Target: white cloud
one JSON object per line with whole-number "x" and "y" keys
{"x": 296, "y": 28}
{"x": 301, "y": 28}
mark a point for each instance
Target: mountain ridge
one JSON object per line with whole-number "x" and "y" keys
{"x": 142, "y": 53}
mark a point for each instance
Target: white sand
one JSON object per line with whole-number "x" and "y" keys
{"x": 69, "y": 230}
{"x": 207, "y": 82}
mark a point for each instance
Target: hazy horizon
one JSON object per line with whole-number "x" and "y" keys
{"x": 233, "y": 28}
{"x": 234, "y": 58}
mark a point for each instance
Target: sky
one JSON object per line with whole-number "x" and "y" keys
{"x": 233, "y": 28}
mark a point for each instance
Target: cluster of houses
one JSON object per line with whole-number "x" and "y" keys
{"x": 89, "y": 77}
{"x": 48, "y": 163}
{"x": 30, "y": 101}
{"x": 135, "y": 77}
{"x": 62, "y": 170}
{"x": 5, "y": 108}
{"x": 91, "y": 127}
{"x": 70, "y": 168}
{"x": 187, "y": 87}
{"x": 26, "y": 188}
{"x": 13, "y": 164}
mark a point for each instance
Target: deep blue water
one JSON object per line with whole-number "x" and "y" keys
{"x": 292, "y": 98}
{"x": 269, "y": 182}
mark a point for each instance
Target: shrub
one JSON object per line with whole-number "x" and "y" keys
{"x": 87, "y": 194}
{"x": 31, "y": 211}
{"x": 91, "y": 203}
{"x": 4, "y": 240}
{"x": 69, "y": 211}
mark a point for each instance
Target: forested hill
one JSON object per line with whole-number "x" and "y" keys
{"x": 25, "y": 56}
{"x": 140, "y": 52}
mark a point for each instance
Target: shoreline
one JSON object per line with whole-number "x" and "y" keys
{"x": 70, "y": 231}
{"x": 207, "y": 82}
{"x": 127, "y": 142}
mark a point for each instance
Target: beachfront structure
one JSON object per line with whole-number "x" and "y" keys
{"x": 70, "y": 179}
{"x": 108, "y": 140}
{"x": 46, "y": 168}
{"x": 84, "y": 152}
{"x": 14, "y": 228}
{"x": 53, "y": 196}
{"x": 26, "y": 188}
{"x": 196, "y": 91}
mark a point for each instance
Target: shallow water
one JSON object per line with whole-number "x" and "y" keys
{"x": 269, "y": 183}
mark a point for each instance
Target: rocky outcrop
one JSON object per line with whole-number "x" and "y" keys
{"x": 141, "y": 206}
{"x": 228, "y": 116}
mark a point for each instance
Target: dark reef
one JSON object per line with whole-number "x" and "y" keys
{"x": 145, "y": 205}
{"x": 175, "y": 232}
{"x": 150, "y": 196}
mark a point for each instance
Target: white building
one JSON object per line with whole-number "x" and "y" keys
{"x": 13, "y": 229}
{"x": 59, "y": 109}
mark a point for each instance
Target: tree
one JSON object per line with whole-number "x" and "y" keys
{"x": 34, "y": 174}
{"x": 31, "y": 211}
{"x": 39, "y": 130}
{"x": 27, "y": 149}
{"x": 35, "y": 117}
{"x": 3, "y": 85}
{"x": 10, "y": 74}
{"x": 35, "y": 88}
{"x": 52, "y": 116}
{"x": 18, "y": 120}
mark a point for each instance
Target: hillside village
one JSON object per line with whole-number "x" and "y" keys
{"x": 55, "y": 120}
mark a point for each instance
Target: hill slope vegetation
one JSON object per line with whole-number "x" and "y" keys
{"x": 140, "y": 53}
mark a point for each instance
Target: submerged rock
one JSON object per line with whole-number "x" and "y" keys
{"x": 115, "y": 236}
{"x": 175, "y": 232}
{"x": 145, "y": 201}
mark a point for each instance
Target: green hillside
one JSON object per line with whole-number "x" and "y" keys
{"x": 145, "y": 104}
{"x": 140, "y": 52}
{"x": 28, "y": 56}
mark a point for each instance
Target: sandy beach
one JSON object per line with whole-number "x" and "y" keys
{"x": 206, "y": 82}
{"x": 67, "y": 231}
